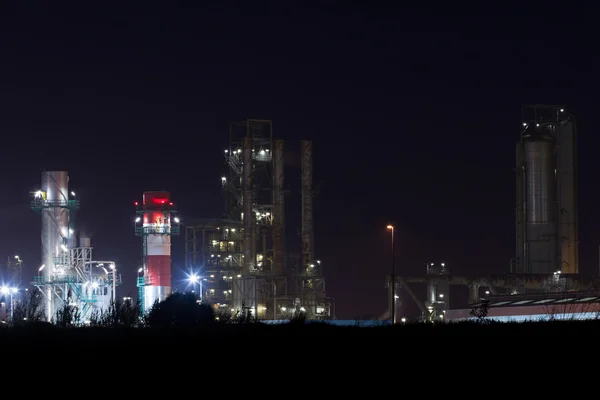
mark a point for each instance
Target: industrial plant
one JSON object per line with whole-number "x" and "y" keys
{"x": 242, "y": 264}
{"x": 69, "y": 275}
{"x": 240, "y": 259}
{"x": 545, "y": 271}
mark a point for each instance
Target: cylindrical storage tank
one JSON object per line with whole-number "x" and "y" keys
{"x": 540, "y": 204}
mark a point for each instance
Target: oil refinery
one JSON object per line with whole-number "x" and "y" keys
{"x": 238, "y": 260}
{"x": 241, "y": 259}
{"x": 545, "y": 270}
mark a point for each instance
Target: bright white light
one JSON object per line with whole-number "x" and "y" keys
{"x": 70, "y": 231}
{"x": 4, "y": 290}
{"x": 138, "y": 219}
{"x": 14, "y": 290}
{"x": 140, "y": 270}
{"x": 17, "y": 257}
{"x": 112, "y": 266}
{"x": 176, "y": 220}
{"x": 194, "y": 278}
{"x": 62, "y": 246}
{"x": 42, "y": 267}
{"x": 95, "y": 285}
{"x": 223, "y": 179}
{"x": 73, "y": 194}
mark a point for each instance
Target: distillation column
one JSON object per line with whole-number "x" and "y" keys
{"x": 307, "y": 206}
{"x": 541, "y": 250}
{"x": 278, "y": 210}
{"x": 546, "y": 217}
{"x": 567, "y": 180}
{"x": 249, "y": 217}
{"x": 54, "y": 200}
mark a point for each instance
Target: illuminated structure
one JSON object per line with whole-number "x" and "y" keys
{"x": 546, "y": 236}
{"x": 546, "y": 213}
{"x": 68, "y": 274}
{"x": 241, "y": 258}
{"x": 156, "y": 223}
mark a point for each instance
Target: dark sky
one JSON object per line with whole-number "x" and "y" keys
{"x": 414, "y": 113}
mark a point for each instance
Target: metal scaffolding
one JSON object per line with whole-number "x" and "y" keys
{"x": 242, "y": 259}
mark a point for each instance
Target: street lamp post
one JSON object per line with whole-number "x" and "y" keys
{"x": 393, "y": 279}
{"x": 197, "y": 279}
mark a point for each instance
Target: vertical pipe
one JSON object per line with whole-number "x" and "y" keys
{"x": 278, "y": 209}
{"x": 307, "y": 206}
{"x": 567, "y": 196}
{"x": 247, "y": 205}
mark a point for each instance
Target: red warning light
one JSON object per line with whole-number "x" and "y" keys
{"x": 136, "y": 203}
{"x": 159, "y": 201}
{"x": 170, "y": 204}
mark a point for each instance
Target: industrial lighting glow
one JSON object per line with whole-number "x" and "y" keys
{"x": 138, "y": 219}
{"x": 176, "y": 220}
{"x": 390, "y": 226}
{"x": 193, "y": 278}
{"x": 4, "y": 289}
{"x": 73, "y": 194}
{"x": 42, "y": 267}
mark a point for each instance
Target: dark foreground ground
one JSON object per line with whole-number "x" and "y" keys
{"x": 44, "y": 336}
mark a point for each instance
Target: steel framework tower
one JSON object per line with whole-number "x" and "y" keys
{"x": 156, "y": 223}
{"x": 546, "y": 180}
{"x": 242, "y": 257}
{"x": 68, "y": 274}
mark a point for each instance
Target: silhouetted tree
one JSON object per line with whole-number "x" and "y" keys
{"x": 121, "y": 313}
{"x": 481, "y": 312}
{"x": 67, "y": 316}
{"x": 29, "y": 308}
{"x": 180, "y": 310}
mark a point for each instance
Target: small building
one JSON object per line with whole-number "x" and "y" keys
{"x": 532, "y": 307}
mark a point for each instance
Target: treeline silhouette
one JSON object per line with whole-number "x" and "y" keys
{"x": 180, "y": 320}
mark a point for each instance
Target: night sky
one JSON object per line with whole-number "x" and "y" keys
{"x": 414, "y": 113}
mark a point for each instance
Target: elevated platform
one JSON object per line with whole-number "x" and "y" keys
{"x": 38, "y": 204}
{"x": 157, "y": 230}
